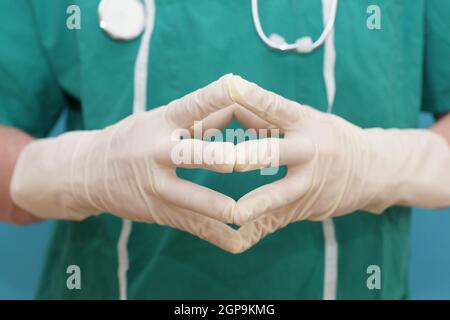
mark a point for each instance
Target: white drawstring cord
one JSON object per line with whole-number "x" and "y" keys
{"x": 329, "y": 54}
{"x": 302, "y": 45}
{"x": 141, "y": 66}
{"x": 123, "y": 262}
{"x": 331, "y": 260}
{"x": 139, "y": 105}
{"x": 331, "y": 245}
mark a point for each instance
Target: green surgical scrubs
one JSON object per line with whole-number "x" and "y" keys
{"x": 384, "y": 78}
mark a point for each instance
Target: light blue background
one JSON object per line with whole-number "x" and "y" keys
{"x": 22, "y": 252}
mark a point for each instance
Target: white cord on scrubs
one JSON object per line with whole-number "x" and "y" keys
{"x": 139, "y": 105}
{"x": 306, "y": 45}
{"x": 331, "y": 245}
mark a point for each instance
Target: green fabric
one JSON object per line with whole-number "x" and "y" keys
{"x": 436, "y": 69}
{"x": 380, "y": 74}
{"x": 29, "y": 94}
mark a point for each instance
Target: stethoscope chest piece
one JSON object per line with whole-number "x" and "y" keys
{"x": 122, "y": 19}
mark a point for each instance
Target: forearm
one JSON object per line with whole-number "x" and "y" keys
{"x": 427, "y": 166}
{"x": 12, "y": 141}
{"x": 422, "y": 172}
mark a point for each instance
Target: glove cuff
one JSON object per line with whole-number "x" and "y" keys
{"x": 42, "y": 178}
{"x": 418, "y": 171}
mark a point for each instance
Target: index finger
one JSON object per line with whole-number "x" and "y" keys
{"x": 267, "y": 105}
{"x": 199, "y": 104}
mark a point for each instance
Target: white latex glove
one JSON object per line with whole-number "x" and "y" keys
{"x": 126, "y": 169}
{"x": 335, "y": 167}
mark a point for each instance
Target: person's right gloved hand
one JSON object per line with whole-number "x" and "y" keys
{"x": 126, "y": 169}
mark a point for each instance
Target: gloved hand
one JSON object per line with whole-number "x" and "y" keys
{"x": 334, "y": 167}
{"x": 126, "y": 169}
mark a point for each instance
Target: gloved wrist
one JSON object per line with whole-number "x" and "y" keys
{"x": 41, "y": 182}
{"x": 411, "y": 169}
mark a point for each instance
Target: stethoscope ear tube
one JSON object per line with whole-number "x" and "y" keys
{"x": 302, "y": 45}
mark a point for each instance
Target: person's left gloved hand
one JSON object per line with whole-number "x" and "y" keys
{"x": 334, "y": 167}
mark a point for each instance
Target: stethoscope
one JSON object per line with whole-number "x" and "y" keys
{"x": 125, "y": 20}
{"x": 122, "y": 19}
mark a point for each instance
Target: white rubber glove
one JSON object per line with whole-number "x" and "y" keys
{"x": 126, "y": 169}
{"x": 335, "y": 167}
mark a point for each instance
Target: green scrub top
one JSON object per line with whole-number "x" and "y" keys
{"x": 384, "y": 79}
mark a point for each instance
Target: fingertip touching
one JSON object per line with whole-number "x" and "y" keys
{"x": 266, "y": 104}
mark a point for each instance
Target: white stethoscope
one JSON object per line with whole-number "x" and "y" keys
{"x": 122, "y": 19}
{"x": 125, "y": 20}
{"x": 302, "y": 45}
